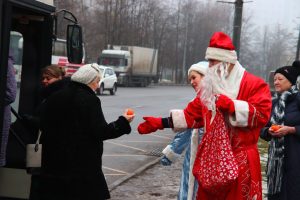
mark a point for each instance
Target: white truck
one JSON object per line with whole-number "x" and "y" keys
{"x": 134, "y": 66}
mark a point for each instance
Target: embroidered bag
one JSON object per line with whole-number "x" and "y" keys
{"x": 215, "y": 166}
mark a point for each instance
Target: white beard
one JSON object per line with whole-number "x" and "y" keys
{"x": 214, "y": 82}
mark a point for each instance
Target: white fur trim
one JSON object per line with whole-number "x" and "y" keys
{"x": 240, "y": 119}
{"x": 234, "y": 79}
{"x": 194, "y": 148}
{"x": 200, "y": 67}
{"x": 221, "y": 55}
{"x": 179, "y": 121}
{"x": 170, "y": 154}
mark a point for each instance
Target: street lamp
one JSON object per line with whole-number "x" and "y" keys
{"x": 237, "y": 22}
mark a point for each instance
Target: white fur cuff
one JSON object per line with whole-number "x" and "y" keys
{"x": 240, "y": 119}
{"x": 179, "y": 121}
{"x": 170, "y": 154}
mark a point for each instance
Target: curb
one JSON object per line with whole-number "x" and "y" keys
{"x": 136, "y": 172}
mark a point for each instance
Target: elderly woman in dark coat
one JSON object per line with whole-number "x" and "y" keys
{"x": 52, "y": 80}
{"x": 73, "y": 131}
{"x": 284, "y": 144}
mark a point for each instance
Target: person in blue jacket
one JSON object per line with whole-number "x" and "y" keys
{"x": 187, "y": 140}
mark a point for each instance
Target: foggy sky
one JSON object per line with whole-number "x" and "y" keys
{"x": 273, "y": 12}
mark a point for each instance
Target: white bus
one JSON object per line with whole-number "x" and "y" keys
{"x": 26, "y": 29}
{"x": 59, "y": 55}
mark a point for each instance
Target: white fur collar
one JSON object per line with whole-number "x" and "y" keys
{"x": 234, "y": 80}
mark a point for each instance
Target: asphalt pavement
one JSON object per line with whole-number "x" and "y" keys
{"x": 154, "y": 182}
{"x": 128, "y": 154}
{"x": 131, "y": 163}
{"x": 157, "y": 182}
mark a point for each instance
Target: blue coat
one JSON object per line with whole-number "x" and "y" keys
{"x": 187, "y": 140}
{"x": 291, "y": 165}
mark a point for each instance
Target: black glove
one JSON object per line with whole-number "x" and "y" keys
{"x": 30, "y": 121}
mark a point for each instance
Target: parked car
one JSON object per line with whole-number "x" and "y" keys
{"x": 108, "y": 81}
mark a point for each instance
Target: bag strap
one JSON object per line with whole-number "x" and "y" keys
{"x": 39, "y": 136}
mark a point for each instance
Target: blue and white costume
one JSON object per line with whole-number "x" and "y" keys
{"x": 187, "y": 140}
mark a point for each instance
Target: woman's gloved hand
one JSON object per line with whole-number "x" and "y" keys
{"x": 151, "y": 124}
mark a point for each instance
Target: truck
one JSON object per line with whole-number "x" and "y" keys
{"x": 134, "y": 65}
{"x": 34, "y": 21}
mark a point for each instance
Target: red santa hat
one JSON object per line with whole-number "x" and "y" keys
{"x": 221, "y": 48}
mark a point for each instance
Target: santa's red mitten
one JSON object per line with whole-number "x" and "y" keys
{"x": 225, "y": 104}
{"x": 151, "y": 124}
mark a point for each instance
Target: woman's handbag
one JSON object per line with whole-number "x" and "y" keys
{"x": 215, "y": 166}
{"x": 34, "y": 156}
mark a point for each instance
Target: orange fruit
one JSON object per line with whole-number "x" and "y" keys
{"x": 130, "y": 111}
{"x": 275, "y": 127}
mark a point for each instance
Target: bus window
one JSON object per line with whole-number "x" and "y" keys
{"x": 16, "y": 47}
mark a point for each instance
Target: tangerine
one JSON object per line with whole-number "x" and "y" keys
{"x": 130, "y": 111}
{"x": 275, "y": 127}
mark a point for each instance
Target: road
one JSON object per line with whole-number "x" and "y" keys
{"x": 131, "y": 154}
{"x": 128, "y": 154}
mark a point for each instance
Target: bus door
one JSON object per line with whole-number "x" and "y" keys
{"x": 32, "y": 21}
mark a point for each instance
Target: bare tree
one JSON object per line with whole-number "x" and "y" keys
{"x": 179, "y": 29}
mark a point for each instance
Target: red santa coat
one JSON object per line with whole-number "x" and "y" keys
{"x": 252, "y": 112}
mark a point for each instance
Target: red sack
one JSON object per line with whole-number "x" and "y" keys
{"x": 215, "y": 166}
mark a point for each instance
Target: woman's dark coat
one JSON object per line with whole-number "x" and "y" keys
{"x": 291, "y": 165}
{"x": 73, "y": 130}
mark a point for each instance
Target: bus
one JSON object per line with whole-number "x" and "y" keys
{"x": 27, "y": 29}
{"x": 16, "y": 47}
{"x": 59, "y": 55}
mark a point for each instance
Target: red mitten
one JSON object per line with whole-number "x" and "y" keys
{"x": 225, "y": 104}
{"x": 151, "y": 124}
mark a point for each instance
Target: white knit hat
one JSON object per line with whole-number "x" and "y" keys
{"x": 200, "y": 67}
{"x": 87, "y": 73}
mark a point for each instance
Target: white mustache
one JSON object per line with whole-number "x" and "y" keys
{"x": 214, "y": 82}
